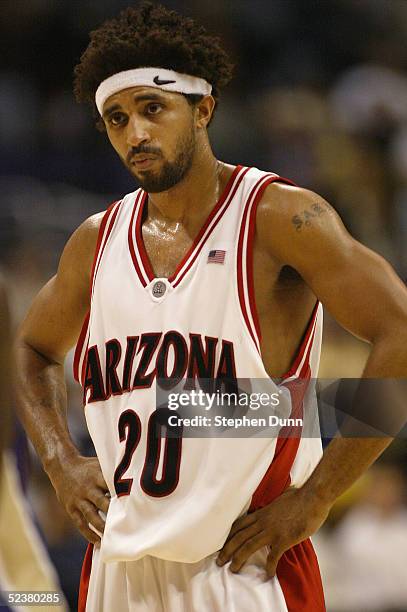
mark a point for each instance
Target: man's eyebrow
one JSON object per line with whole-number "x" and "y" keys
{"x": 110, "y": 110}
{"x": 150, "y": 97}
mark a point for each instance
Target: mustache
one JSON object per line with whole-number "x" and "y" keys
{"x": 142, "y": 149}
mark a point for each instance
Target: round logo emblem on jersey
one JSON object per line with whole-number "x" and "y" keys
{"x": 159, "y": 288}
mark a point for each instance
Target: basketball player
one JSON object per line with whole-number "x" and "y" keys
{"x": 207, "y": 271}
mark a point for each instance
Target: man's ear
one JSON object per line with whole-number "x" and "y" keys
{"x": 204, "y": 111}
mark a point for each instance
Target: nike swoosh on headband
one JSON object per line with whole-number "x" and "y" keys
{"x": 159, "y": 81}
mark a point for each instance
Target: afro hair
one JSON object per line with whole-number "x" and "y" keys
{"x": 150, "y": 35}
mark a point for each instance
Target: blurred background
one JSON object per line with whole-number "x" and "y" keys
{"x": 319, "y": 96}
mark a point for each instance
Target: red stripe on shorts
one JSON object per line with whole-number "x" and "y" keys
{"x": 85, "y": 576}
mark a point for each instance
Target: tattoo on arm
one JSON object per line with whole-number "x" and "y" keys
{"x": 305, "y": 218}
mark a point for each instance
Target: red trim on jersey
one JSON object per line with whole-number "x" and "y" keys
{"x": 85, "y": 576}
{"x": 131, "y": 241}
{"x": 99, "y": 246}
{"x": 240, "y": 284}
{"x": 300, "y": 352}
{"x": 198, "y": 243}
{"x": 287, "y": 444}
{"x": 211, "y": 216}
{"x": 99, "y": 241}
{"x": 300, "y": 579}
{"x": 148, "y": 269}
{"x": 277, "y": 477}
{"x": 102, "y": 249}
{"x": 98, "y": 249}
{"x": 250, "y": 248}
{"x": 199, "y": 249}
{"x": 79, "y": 347}
{"x": 297, "y": 570}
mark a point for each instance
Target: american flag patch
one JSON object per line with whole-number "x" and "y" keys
{"x": 216, "y": 256}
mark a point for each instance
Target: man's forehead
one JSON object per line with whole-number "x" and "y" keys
{"x": 137, "y": 93}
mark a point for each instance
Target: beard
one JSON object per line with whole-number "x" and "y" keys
{"x": 171, "y": 172}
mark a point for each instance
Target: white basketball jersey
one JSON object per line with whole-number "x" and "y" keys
{"x": 176, "y": 499}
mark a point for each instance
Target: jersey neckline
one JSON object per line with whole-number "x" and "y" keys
{"x": 138, "y": 251}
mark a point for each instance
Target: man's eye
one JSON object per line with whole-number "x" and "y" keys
{"x": 154, "y": 109}
{"x": 117, "y": 119}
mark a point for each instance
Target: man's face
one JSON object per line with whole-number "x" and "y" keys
{"x": 153, "y": 132}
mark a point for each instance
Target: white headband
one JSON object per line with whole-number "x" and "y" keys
{"x": 160, "y": 78}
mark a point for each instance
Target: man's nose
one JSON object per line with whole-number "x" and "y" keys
{"x": 136, "y": 132}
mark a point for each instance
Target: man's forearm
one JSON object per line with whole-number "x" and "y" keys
{"x": 41, "y": 405}
{"x": 381, "y": 406}
{"x": 78, "y": 481}
{"x": 344, "y": 461}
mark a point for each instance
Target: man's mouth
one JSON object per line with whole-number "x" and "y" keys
{"x": 142, "y": 160}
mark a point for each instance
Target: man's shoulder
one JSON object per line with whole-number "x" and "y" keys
{"x": 87, "y": 233}
{"x": 289, "y": 216}
{"x": 79, "y": 250}
{"x": 283, "y": 199}
{"x": 92, "y": 224}
{"x": 83, "y": 242}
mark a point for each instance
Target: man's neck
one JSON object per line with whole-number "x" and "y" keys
{"x": 192, "y": 199}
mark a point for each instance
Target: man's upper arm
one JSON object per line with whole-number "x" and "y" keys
{"x": 358, "y": 287}
{"x": 54, "y": 320}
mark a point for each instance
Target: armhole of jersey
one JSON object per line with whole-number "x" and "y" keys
{"x": 296, "y": 368}
{"x": 245, "y": 280}
{"x": 277, "y": 478}
{"x": 105, "y": 229}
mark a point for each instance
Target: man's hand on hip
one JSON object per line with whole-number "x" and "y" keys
{"x": 288, "y": 520}
{"x": 82, "y": 490}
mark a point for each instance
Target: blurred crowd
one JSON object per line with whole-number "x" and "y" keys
{"x": 319, "y": 96}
